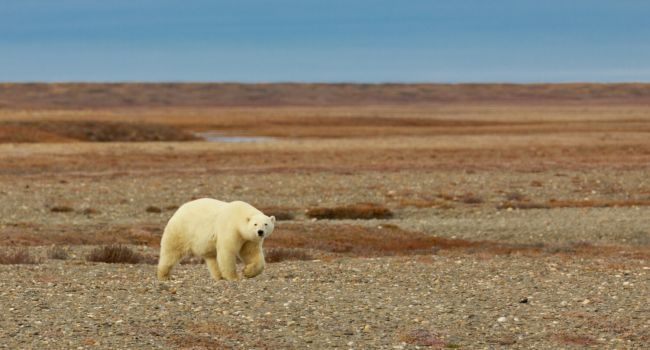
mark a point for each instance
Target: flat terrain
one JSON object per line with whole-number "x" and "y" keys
{"x": 518, "y": 215}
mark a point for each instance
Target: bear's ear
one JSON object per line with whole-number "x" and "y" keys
{"x": 273, "y": 219}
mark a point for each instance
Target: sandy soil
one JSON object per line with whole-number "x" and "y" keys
{"x": 515, "y": 225}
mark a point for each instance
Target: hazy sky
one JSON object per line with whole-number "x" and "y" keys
{"x": 325, "y": 40}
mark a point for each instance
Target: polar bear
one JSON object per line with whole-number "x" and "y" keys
{"x": 219, "y": 232}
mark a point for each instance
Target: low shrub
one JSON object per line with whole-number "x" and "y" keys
{"x": 470, "y": 198}
{"x": 19, "y": 256}
{"x": 422, "y": 337}
{"x": 57, "y": 253}
{"x": 153, "y": 209}
{"x": 61, "y": 209}
{"x": 363, "y": 211}
{"x": 115, "y": 254}
{"x": 575, "y": 339}
{"x": 274, "y": 255}
{"x": 280, "y": 215}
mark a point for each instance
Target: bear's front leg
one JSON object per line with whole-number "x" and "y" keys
{"x": 253, "y": 257}
{"x": 227, "y": 262}
{"x": 168, "y": 258}
{"x": 213, "y": 267}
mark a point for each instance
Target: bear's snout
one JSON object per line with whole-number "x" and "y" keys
{"x": 260, "y": 233}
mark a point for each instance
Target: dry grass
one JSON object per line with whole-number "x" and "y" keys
{"x": 470, "y": 198}
{"x": 584, "y": 203}
{"x": 274, "y": 255}
{"x": 330, "y": 239}
{"x": 153, "y": 209}
{"x": 281, "y": 214}
{"x": 90, "y": 211}
{"x": 369, "y": 154}
{"x": 16, "y": 257}
{"x": 423, "y": 337}
{"x": 575, "y": 339}
{"x": 34, "y": 235}
{"x": 388, "y": 240}
{"x": 362, "y": 241}
{"x": 420, "y": 201}
{"x": 196, "y": 342}
{"x": 101, "y": 95}
{"x": 523, "y": 205}
{"x": 92, "y": 131}
{"x": 363, "y": 211}
{"x": 115, "y": 254}
{"x": 515, "y": 196}
{"x": 57, "y": 253}
{"x": 160, "y": 112}
{"x": 213, "y": 335}
{"x": 61, "y": 209}
{"x": 598, "y": 203}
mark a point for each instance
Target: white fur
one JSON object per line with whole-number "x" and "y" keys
{"x": 219, "y": 232}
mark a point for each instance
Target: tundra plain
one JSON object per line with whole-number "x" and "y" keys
{"x": 412, "y": 216}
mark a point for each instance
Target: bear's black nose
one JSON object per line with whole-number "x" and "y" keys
{"x": 260, "y": 233}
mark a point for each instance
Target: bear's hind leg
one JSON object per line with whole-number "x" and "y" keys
{"x": 253, "y": 257}
{"x": 213, "y": 267}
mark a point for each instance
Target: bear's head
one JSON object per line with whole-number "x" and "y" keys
{"x": 259, "y": 226}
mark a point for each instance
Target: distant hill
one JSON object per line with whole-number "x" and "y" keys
{"x": 110, "y": 95}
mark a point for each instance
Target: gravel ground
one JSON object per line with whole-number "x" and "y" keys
{"x": 452, "y": 301}
{"x": 122, "y": 200}
{"x": 444, "y": 185}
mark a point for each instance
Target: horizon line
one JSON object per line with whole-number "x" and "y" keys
{"x": 326, "y": 82}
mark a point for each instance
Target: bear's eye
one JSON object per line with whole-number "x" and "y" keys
{"x": 255, "y": 224}
{"x": 266, "y": 224}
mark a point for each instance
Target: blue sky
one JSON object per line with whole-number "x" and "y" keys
{"x": 325, "y": 40}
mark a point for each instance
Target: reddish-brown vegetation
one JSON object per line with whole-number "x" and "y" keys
{"x": 213, "y": 335}
{"x": 274, "y": 255}
{"x": 352, "y": 240}
{"x": 57, "y": 253}
{"x": 115, "y": 254}
{"x": 584, "y": 203}
{"x": 170, "y": 112}
{"x": 363, "y": 241}
{"x": 423, "y": 337}
{"x": 27, "y": 234}
{"x": 281, "y": 214}
{"x": 90, "y": 131}
{"x": 61, "y": 209}
{"x": 153, "y": 209}
{"x": 355, "y": 211}
{"x": 575, "y": 339}
{"x": 111, "y": 95}
{"x": 17, "y": 256}
{"x": 470, "y": 198}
